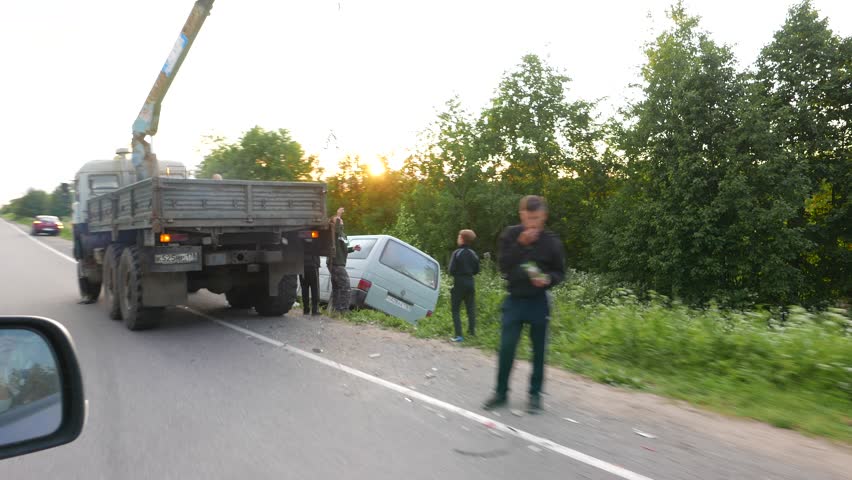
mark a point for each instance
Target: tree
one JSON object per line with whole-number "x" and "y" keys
{"x": 60, "y": 201}
{"x": 704, "y": 211}
{"x": 34, "y": 202}
{"x": 539, "y": 142}
{"x": 805, "y": 79}
{"x": 259, "y": 155}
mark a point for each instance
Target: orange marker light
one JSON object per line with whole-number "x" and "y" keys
{"x": 165, "y": 238}
{"x": 314, "y": 234}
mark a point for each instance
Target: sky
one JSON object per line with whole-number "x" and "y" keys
{"x": 373, "y": 73}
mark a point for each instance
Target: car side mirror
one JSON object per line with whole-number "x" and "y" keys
{"x": 41, "y": 390}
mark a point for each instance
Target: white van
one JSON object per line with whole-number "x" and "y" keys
{"x": 389, "y": 275}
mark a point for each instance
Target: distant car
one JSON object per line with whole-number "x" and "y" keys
{"x": 46, "y": 224}
{"x": 389, "y": 275}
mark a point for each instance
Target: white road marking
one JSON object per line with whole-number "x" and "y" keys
{"x": 413, "y": 394}
{"x": 66, "y": 257}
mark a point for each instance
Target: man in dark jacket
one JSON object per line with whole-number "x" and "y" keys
{"x": 310, "y": 285}
{"x": 340, "y": 288}
{"x": 464, "y": 264}
{"x": 532, "y": 262}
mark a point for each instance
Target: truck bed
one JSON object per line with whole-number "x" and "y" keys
{"x": 163, "y": 202}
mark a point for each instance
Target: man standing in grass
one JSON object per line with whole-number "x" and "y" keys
{"x": 464, "y": 264}
{"x": 532, "y": 261}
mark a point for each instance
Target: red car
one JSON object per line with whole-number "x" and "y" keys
{"x": 46, "y": 224}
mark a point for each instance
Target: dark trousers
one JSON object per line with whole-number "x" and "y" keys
{"x": 516, "y": 312}
{"x": 463, "y": 291}
{"x": 340, "y": 288}
{"x": 310, "y": 289}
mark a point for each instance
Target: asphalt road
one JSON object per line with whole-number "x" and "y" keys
{"x": 221, "y": 393}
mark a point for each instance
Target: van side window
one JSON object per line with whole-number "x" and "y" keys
{"x": 367, "y": 245}
{"x": 410, "y": 263}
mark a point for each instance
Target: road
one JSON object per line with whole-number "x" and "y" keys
{"x": 221, "y": 393}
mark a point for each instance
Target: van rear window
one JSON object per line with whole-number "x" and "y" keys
{"x": 410, "y": 263}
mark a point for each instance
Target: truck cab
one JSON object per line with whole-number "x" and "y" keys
{"x": 98, "y": 177}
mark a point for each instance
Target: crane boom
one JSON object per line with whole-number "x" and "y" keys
{"x": 144, "y": 161}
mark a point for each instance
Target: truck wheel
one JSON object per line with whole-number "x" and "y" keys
{"x": 239, "y": 297}
{"x": 112, "y": 256}
{"x": 89, "y": 290}
{"x": 135, "y": 316}
{"x": 268, "y": 306}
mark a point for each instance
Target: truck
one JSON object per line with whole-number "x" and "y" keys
{"x": 147, "y": 235}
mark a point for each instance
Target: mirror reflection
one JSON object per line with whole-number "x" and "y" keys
{"x": 30, "y": 393}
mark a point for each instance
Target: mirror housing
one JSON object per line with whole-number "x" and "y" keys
{"x": 73, "y": 403}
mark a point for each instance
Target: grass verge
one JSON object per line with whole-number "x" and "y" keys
{"x": 792, "y": 370}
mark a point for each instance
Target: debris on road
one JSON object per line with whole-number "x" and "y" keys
{"x": 466, "y": 429}
{"x": 430, "y": 375}
{"x": 517, "y": 413}
{"x": 570, "y": 420}
{"x": 534, "y": 448}
{"x": 434, "y": 369}
{"x": 375, "y": 355}
{"x": 648, "y": 448}
{"x": 489, "y": 454}
{"x": 408, "y": 400}
{"x": 317, "y": 350}
{"x": 643, "y": 434}
{"x": 490, "y": 425}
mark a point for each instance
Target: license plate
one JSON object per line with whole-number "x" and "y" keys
{"x": 399, "y": 303}
{"x": 175, "y": 258}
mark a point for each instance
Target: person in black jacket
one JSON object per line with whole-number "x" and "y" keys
{"x": 531, "y": 261}
{"x": 464, "y": 264}
{"x": 310, "y": 285}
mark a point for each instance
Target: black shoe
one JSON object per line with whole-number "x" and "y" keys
{"x": 534, "y": 406}
{"x": 496, "y": 401}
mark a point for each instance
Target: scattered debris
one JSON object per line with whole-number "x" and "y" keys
{"x": 570, "y": 420}
{"x": 408, "y": 400}
{"x": 517, "y": 413}
{"x": 490, "y": 425}
{"x": 648, "y": 448}
{"x": 496, "y": 434}
{"x": 534, "y": 448}
{"x": 375, "y": 355}
{"x": 434, "y": 369}
{"x": 430, "y": 375}
{"x": 466, "y": 429}
{"x": 317, "y": 350}
{"x": 442, "y": 416}
{"x": 643, "y": 434}
{"x": 497, "y": 414}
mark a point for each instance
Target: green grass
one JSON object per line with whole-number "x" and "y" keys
{"x": 794, "y": 374}
{"x": 64, "y": 233}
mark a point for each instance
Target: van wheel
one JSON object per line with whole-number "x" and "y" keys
{"x": 268, "y": 306}
{"x": 89, "y": 290}
{"x": 134, "y": 314}
{"x": 112, "y": 256}
{"x": 239, "y": 297}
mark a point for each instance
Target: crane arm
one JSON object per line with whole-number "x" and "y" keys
{"x": 144, "y": 161}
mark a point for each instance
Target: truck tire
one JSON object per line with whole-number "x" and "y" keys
{"x": 269, "y": 306}
{"x": 239, "y": 297}
{"x": 133, "y": 313}
{"x": 89, "y": 290}
{"x": 112, "y": 256}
